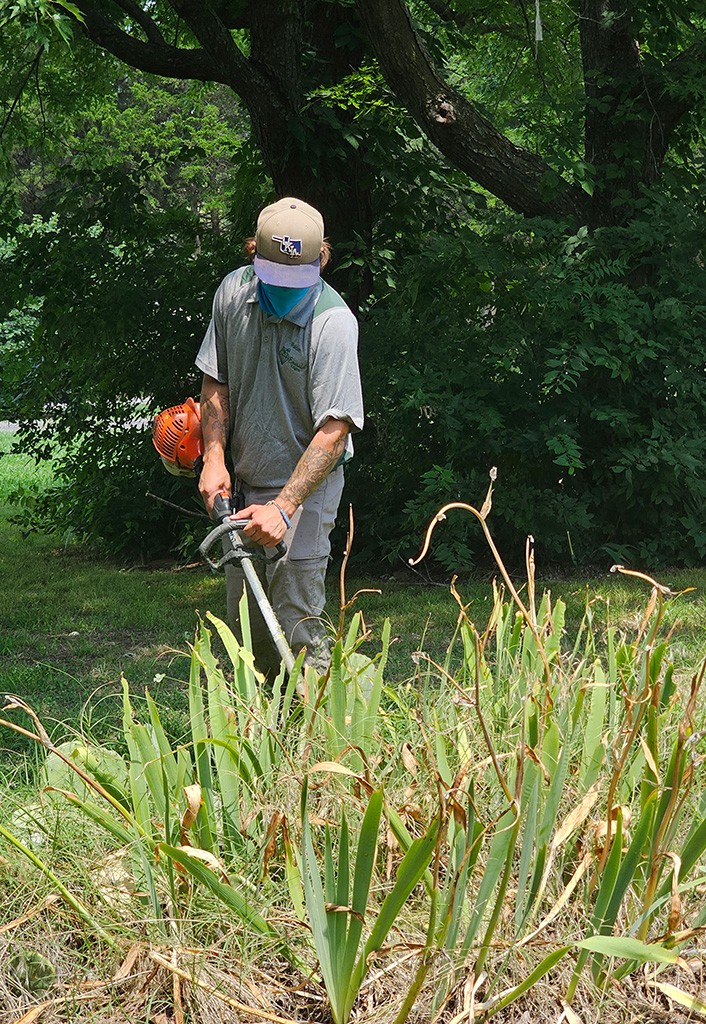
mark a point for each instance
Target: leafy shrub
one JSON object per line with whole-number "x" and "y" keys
{"x": 107, "y": 281}
{"x": 126, "y": 300}
{"x": 572, "y": 362}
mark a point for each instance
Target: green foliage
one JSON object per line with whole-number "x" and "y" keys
{"x": 131, "y": 352}
{"x": 531, "y": 91}
{"x": 337, "y": 911}
{"x": 524, "y": 768}
{"x": 567, "y": 359}
{"x": 31, "y": 972}
{"x": 40, "y": 19}
{"x": 180, "y": 806}
{"x": 571, "y": 362}
{"x": 134, "y": 236}
{"x": 15, "y": 338}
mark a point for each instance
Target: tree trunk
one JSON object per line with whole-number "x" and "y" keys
{"x": 302, "y": 152}
{"x": 619, "y": 128}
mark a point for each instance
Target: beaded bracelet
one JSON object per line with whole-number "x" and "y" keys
{"x": 281, "y": 512}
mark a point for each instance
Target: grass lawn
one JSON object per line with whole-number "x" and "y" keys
{"x": 72, "y": 623}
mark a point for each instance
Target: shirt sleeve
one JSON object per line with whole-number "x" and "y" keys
{"x": 211, "y": 358}
{"x": 335, "y": 390}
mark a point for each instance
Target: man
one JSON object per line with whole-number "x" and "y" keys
{"x": 281, "y": 387}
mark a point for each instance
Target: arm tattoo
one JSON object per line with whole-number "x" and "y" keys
{"x": 215, "y": 421}
{"x": 312, "y": 469}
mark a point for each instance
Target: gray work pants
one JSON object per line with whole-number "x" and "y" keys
{"x": 295, "y": 585}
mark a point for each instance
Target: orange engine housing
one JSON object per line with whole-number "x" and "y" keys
{"x": 176, "y": 434}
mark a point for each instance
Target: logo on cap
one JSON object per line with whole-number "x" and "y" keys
{"x": 291, "y": 247}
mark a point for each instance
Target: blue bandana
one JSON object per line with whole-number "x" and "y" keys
{"x": 277, "y": 301}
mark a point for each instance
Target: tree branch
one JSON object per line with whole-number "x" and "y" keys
{"x": 148, "y": 26}
{"x": 515, "y": 175}
{"x": 272, "y": 101}
{"x": 446, "y": 12}
{"x": 155, "y": 58}
{"x": 32, "y": 68}
{"x": 236, "y": 15}
{"x": 216, "y": 41}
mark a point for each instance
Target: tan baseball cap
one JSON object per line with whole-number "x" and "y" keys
{"x": 288, "y": 244}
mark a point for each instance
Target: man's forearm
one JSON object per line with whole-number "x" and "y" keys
{"x": 266, "y": 526}
{"x": 215, "y": 427}
{"x": 215, "y": 417}
{"x": 322, "y": 455}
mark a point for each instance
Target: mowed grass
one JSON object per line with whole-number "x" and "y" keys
{"x": 72, "y": 623}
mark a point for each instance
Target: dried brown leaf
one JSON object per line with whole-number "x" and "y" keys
{"x": 408, "y": 759}
{"x": 336, "y": 908}
{"x": 212, "y": 990}
{"x": 271, "y": 839}
{"x": 34, "y": 1013}
{"x": 576, "y": 817}
{"x": 649, "y": 757}
{"x": 48, "y": 902}
{"x": 193, "y": 803}
{"x": 458, "y": 812}
{"x": 334, "y": 768}
{"x": 675, "y": 912}
{"x": 533, "y": 756}
{"x": 568, "y": 1013}
{"x": 563, "y": 899}
{"x": 129, "y": 962}
{"x": 208, "y": 858}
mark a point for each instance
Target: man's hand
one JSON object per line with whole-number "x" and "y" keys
{"x": 266, "y": 526}
{"x": 214, "y": 480}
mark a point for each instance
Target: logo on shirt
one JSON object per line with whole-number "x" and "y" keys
{"x": 291, "y": 247}
{"x": 288, "y": 357}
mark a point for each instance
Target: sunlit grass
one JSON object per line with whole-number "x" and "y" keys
{"x": 18, "y": 470}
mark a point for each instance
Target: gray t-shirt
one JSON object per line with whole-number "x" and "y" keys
{"x": 285, "y": 377}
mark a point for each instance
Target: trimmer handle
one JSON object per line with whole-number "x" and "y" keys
{"x": 223, "y": 510}
{"x": 222, "y": 507}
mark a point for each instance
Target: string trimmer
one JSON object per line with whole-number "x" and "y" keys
{"x": 176, "y": 434}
